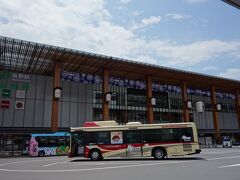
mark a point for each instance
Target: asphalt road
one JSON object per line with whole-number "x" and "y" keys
{"x": 211, "y": 164}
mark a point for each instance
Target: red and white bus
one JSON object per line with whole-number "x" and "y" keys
{"x": 102, "y": 139}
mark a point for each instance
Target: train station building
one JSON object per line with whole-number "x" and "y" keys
{"x": 45, "y": 88}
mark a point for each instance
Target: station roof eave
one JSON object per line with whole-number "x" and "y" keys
{"x": 36, "y": 58}
{"x": 234, "y": 3}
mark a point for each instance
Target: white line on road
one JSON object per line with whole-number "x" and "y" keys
{"x": 93, "y": 163}
{"x": 211, "y": 153}
{"x": 128, "y": 165}
{"x": 92, "y": 169}
{"x": 18, "y": 162}
{"x": 233, "y": 165}
{"x": 229, "y": 157}
{"x": 47, "y": 165}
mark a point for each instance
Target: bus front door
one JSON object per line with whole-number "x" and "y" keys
{"x": 78, "y": 144}
{"x": 133, "y": 142}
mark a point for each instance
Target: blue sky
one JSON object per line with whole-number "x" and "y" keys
{"x": 195, "y": 35}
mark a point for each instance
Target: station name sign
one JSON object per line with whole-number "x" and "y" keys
{"x": 138, "y": 84}
{"x": 20, "y": 77}
{"x": 116, "y": 81}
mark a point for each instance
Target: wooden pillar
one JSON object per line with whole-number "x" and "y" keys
{"x": 184, "y": 102}
{"x": 105, "y": 88}
{"x": 215, "y": 115}
{"x": 149, "y": 96}
{"x": 238, "y": 106}
{"x": 55, "y": 102}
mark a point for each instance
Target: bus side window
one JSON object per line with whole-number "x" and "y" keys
{"x": 131, "y": 137}
{"x": 151, "y": 135}
{"x": 67, "y": 140}
{"x": 160, "y": 135}
{"x": 42, "y": 141}
{"x": 52, "y": 141}
{"x": 61, "y": 141}
{"x": 99, "y": 138}
{"x": 170, "y": 135}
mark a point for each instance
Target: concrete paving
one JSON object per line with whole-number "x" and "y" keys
{"x": 211, "y": 164}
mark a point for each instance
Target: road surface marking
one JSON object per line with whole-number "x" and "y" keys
{"x": 92, "y": 169}
{"x": 47, "y": 165}
{"x": 219, "y": 152}
{"x": 18, "y": 162}
{"x": 230, "y": 157}
{"x": 89, "y": 163}
{"x": 128, "y": 165}
{"x": 233, "y": 165}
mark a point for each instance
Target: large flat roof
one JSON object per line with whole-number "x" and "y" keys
{"x": 235, "y": 3}
{"x": 36, "y": 58}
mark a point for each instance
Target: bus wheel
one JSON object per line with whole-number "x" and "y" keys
{"x": 159, "y": 153}
{"x": 41, "y": 153}
{"x": 95, "y": 155}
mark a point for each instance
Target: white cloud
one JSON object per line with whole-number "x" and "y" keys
{"x": 151, "y": 20}
{"x": 146, "y": 22}
{"x": 125, "y": 1}
{"x": 87, "y": 25}
{"x": 146, "y": 58}
{"x": 210, "y": 68}
{"x": 195, "y": 1}
{"x": 137, "y": 13}
{"x": 233, "y": 73}
{"x": 194, "y": 53}
{"x": 176, "y": 16}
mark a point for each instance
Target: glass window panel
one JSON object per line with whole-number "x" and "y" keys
{"x": 61, "y": 141}
{"x": 42, "y": 141}
{"x": 52, "y": 141}
{"x": 132, "y": 137}
{"x": 99, "y": 138}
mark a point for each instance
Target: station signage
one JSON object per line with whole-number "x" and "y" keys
{"x": 5, "y": 104}
{"x": 20, "y": 94}
{"x": 139, "y": 84}
{"x": 116, "y": 81}
{"x": 6, "y": 93}
{"x": 19, "y": 105}
{"x": 20, "y": 77}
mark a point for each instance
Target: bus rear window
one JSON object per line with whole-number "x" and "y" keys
{"x": 186, "y": 135}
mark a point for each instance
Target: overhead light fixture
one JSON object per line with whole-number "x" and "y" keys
{"x": 189, "y": 104}
{"x": 57, "y": 92}
{"x": 200, "y": 107}
{"x": 108, "y": 96}
{"x": 153, "y": 101}
{"x": 218, "y": 107}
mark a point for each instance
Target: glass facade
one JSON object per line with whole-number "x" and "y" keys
{"x": 130, "y": 105}
{"x": 168, "y": 107}
{"x": 14, "y": 144}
